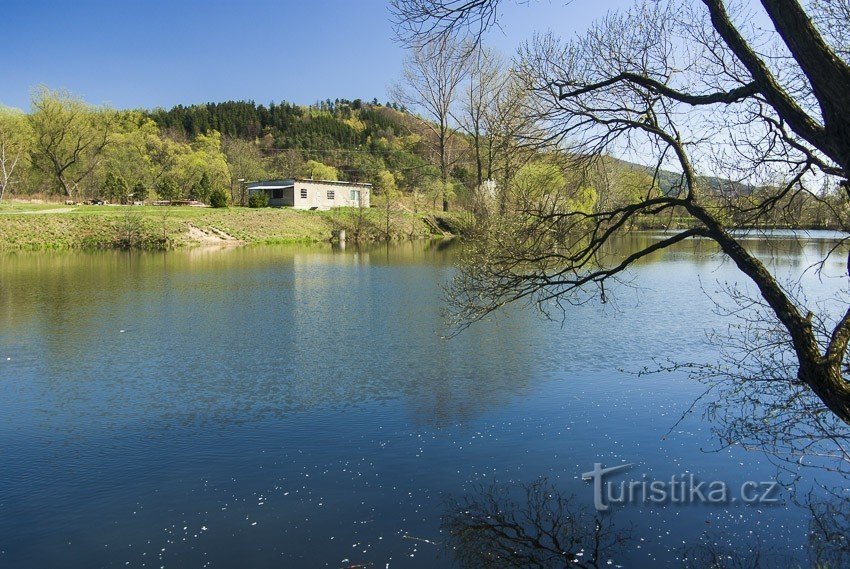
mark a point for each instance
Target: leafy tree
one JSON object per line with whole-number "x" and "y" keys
{"x": 319, "y": 171}
{"x": 168, "y": 190}
{"x": 201, "y": 156}
{"x": 15, "y": 141}
{"x": 245, "y": 162}
{"x": 115, "y": 188}
{"x": 204, "y": 187}
{"x": 68, "y": 137}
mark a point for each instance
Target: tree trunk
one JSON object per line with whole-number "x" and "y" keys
{"x": 66, "y": 188}
{"x": 822, "y": 373}
{"x": 826, "y": 380}
{"x": 828, "y": 74}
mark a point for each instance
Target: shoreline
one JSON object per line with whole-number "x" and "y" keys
{"x": 28, "y": 226}
{"x": 40, "y": 226}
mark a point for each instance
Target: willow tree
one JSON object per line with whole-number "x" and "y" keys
{"x": 68, "y": 138}
{"x": 698, "y": 88}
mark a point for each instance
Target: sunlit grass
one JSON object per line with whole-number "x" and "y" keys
{"x": 32, "y": 225}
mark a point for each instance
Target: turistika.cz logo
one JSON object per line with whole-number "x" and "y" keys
{"x": 679, "y": 489}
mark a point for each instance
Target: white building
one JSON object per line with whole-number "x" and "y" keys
{"x": 301, "y": 193}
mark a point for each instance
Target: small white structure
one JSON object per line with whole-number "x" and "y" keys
{"x": 302, "y": 193}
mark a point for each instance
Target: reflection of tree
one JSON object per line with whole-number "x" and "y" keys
{"x": 757, "y": 399}
{"x": 535, "y": 525}
{"x": 829, "y": 527}
{"x": 827, "y": 547}
{"x": 236, "y": 335}
{"x": 490, "y": 528}
{"x": 708, "y": 554}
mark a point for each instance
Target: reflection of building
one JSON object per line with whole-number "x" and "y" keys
{"x": 313, "y": 194}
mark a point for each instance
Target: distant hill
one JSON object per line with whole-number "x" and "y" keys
{"x": 351, "y": 135}
{"x": 671, "y": 181}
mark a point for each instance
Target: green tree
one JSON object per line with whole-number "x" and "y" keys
{"x": 15, "y": 141}
{"x": 68, "y": 137}
{"x": 244, "y": 162}
{"x": 140, "y": 192}
{"x": 137, "y": 150}
{"x": 318, "y": 171}
{"x": 258, "y": 199}
{"x": 218, "y": 198}
{"x": 115, "y": 188}
{"x": 204, "y": 187}
{"x": 201, "y": 156}
{"x": 168, "y": 190}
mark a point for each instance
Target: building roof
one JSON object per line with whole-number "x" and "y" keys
{"x": 333, "y": 182}
{"x": 289, "y": 182}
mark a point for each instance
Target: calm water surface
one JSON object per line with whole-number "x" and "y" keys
{"x": 296, "y": 406}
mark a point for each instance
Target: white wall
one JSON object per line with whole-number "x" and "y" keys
{"x": 317, "y": 194}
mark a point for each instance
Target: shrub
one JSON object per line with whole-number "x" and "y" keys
{"x": 218, "y": 198}
{"x": 258, "y": 199}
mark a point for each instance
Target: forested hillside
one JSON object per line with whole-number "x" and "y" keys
{"x": 350, "y": 140}
{"x": 67, "y": 149}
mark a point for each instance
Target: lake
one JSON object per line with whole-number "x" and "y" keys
{"x": 299, "y": 406}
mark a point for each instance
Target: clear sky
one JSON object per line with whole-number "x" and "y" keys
{"x": 131, "y": 54}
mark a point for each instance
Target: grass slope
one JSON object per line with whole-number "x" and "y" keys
{"x": 25, "y": 226}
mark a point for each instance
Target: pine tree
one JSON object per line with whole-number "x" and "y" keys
{"x": 140, "y": 192}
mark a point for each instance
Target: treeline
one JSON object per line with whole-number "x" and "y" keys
{"x": 285, "y": 125}
{"x": 478, "y": 160}
{"x": 67, "y": 148}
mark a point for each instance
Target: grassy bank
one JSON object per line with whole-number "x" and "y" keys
{"x": 34, "y": 226}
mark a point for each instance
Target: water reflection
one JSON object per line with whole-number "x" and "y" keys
{"x": 308, "y": 389}
{"x": 240, "y": 334}
{"x": 533, "y": 525}
{"x": 517, "y": 525}
{"x": 243, "y": 333}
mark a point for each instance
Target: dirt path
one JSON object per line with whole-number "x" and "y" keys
{"x": 211, "y": 236}
{"x": 39, "y": 211}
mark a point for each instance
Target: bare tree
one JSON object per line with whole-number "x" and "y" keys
{"x": 684, "y": 84}
{"x": 514, "y": 136}
{"x": 431, "y": 82}
{"x": 480, "y": 94}
{"x": 536, "y": 525}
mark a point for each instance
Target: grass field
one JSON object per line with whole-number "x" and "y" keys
{"x": 27, "y": 225}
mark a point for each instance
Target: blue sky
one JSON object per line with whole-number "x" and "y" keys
{"x": 130, "y": 54}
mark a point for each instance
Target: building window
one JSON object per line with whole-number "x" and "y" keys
{"x": 355, "y": 196}
{"x": 277, "y": 194}
{"x": 330, "y": 194}
{"x": 303, "y": 193}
